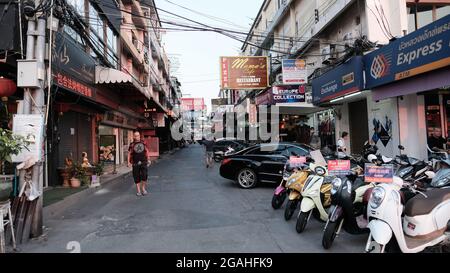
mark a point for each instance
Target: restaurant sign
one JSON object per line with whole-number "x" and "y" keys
{"x": 244, "y": 72}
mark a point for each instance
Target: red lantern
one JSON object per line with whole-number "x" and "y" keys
{"x": 7, "y": 87}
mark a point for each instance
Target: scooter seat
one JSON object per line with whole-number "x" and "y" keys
{"x": 421, "y": 205}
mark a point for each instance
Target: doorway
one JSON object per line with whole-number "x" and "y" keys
{"x": 359, "y": 125}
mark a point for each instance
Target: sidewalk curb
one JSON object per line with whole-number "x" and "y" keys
{"x": 57, "y": 208}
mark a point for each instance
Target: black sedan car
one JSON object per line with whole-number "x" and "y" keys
{"x": 260, "y": 163}
{"x": 221, "y": 146}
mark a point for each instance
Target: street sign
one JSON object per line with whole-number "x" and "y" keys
{"x": 379, "y": 174}
{"x": 338, "y": 167}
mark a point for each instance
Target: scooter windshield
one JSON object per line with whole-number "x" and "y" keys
{"x": 442, "y": 177}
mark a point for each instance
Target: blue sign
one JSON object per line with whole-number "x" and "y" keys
{"x": 421, "y": 51}
{"x": 345, "y": 79}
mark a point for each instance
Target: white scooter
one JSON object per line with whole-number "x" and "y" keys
{"x": 316, "y": 194}
{"x": 424, "y": 225}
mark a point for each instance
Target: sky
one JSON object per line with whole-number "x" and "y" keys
{"x": 198, "y": 53}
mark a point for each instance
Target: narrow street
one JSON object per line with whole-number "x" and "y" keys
{"x": 189, "y": 209}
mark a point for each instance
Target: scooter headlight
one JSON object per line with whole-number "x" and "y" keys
{"x": 377, "y": 197}
{"x": 290, "y": 181}
{"x": 337, "y": 182}
{"x": 320, "y": 171}
{"x": 286, "y": 176}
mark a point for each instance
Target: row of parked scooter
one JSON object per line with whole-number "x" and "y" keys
{"x": 409, "y": 214}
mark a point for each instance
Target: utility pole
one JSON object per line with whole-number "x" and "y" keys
{"x": 34, "y": 99}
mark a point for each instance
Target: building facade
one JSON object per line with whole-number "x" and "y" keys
{"x": 332, "y": 37}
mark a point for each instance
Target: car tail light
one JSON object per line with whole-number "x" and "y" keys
{"x": 226, "y": 161}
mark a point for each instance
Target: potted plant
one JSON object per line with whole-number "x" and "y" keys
{"x": 98, "y": 170}
{"x": 79, "y": 176}
{"x": 10, "y": 144}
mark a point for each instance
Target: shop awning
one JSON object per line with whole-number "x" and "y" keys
{"x": 109, "y": 75}
{"x": 119, "y": 80}
{"x": 299, "y": 108}
{"x": 429, "y": 81}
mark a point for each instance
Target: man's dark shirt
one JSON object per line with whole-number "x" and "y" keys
{"x": 138, "y": 152}
{"x": 209, "y": 144}
{"x": 434, "y": 142}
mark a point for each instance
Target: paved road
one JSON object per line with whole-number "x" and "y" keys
{"x": 190, "y": 209}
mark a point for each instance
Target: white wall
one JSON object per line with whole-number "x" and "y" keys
{"x": 396, "y": 19}
{"x": 380, "y": 111}
{"x": 413, "y": 126}
{"x": 343, "y": 124}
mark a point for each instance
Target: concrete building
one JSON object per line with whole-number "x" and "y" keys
{"x": 330, "y": 35}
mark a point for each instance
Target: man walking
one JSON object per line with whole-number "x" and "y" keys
{"x": 209, "y": 152}
{"x": 138, "y": 157}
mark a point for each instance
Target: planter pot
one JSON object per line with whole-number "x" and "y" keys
{"x": 75, "y": 182}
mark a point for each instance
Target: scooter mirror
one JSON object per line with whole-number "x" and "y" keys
{"x": 430, "y": 174}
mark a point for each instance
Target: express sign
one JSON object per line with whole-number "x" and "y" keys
{"x": 421, "y": 51}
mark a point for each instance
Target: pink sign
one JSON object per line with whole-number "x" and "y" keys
{"x": 297, "y": 161}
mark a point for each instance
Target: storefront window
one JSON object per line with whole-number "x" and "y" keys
{"x": 326, "y": 129}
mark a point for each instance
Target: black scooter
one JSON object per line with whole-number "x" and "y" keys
{"x": 348, "y": 202}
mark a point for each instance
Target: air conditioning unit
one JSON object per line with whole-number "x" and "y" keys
{"x": 329, "y": 54}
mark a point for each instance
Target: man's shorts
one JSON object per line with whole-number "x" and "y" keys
{"x": 140, "y": 173}
{"x": 209, "y": 154}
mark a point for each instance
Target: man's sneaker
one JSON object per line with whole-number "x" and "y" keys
{"x": 144, "y": 192}
{"x": 138, "y": 194}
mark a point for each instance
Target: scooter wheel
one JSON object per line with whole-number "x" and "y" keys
{"x": 302, "y": 220}
{"x": 329, "y": 234}
{"x": 291, "y": 206}
{"x": 217, "y": 159}
{"x": 278, "y": 200}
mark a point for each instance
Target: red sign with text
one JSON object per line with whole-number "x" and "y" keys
{"x": 73, "y": 85}
{"x": 338, "y": 167}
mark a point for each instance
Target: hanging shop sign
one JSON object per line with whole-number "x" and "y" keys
{"x": 288, "y": 94}
{"x": 71, "y": 59}
{"x": 294, "y": 72}
{"x": 244, "y": 72}
{"x": 345, "y": 79}
{"x": 219, "y": 102}
{"x": 264, "y": 99}
{"x": 421, "y": 51}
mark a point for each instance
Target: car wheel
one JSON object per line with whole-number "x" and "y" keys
{"x": 247, "y": 178}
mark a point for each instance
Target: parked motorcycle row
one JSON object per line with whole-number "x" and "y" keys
{"x": 408, "y": 214}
